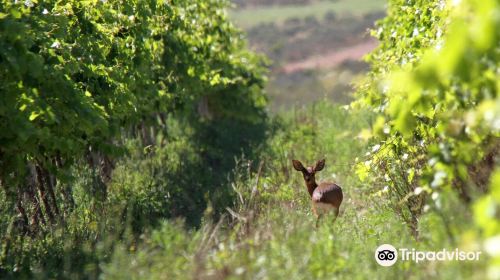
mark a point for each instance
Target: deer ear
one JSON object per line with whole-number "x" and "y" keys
{"x": 298, "y": 165}
{"x": 319, "y": 165}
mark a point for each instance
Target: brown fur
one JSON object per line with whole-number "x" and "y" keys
{"x": 325, "y": 193}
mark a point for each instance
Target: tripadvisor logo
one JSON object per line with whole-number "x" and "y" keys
{"x": 387, "y": 255}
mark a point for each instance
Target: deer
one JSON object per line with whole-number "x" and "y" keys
{"x": 326, "y": 197}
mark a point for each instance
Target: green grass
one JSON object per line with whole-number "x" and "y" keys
{"x": 273, "y": 234}
{"x": 284, "y": 244}
{"x": 270, "y": 232}
{"x": 247, "y": 18}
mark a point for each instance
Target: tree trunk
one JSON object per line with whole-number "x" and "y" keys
{"x": 43, "y": 194}
{"x": 22, "y": 212}
{"x": 69, "y": 202}
{"x": 49, "y": 183}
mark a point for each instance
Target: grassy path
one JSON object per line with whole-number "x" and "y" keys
{"x": 270, "y": 232}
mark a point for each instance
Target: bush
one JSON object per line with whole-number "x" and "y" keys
{"x": 88, "y": 87}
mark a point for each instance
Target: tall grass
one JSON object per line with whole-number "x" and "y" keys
{"x": 266, "y": 232}
{"x": 270, "y": 231}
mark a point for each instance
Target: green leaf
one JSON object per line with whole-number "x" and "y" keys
{"x": 33, "y": 116}
{"x": 15, "y": 13}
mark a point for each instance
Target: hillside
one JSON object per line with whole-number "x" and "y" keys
{"x": 270, "y": 13}
{"x": 315, "y": 48}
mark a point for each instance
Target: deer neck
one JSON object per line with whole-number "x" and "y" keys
{"x": 311, "y": 187}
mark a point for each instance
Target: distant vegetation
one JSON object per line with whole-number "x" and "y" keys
{"x": 250, "y": 17}
{"x": 300, "y": 38}
{"x": 318, "y": 35}
{"x": 254, "y": 3}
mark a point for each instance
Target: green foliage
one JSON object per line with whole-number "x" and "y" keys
{"x": 85, "y": 83}
{"x": 269, "y": 232}
{"x": 485, "y": 210}
{"x": 434, "y": 86}
{"x": 74, "y": 74}
{"x": 133, "y": 133}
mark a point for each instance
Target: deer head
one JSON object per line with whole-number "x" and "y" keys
{"x": 309, "y": 173}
